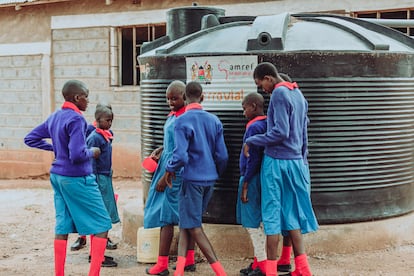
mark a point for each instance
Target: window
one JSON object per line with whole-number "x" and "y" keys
{"x": 130, "y": 42}
{"x": 390, "y": 14}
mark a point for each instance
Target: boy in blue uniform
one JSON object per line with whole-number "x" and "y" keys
{"x": 78, "y": 202}
{"x": 286, "y": 203}
{"x": 161, "y": 208}
{"x": 200, "y": 149}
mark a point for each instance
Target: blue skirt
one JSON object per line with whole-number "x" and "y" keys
{"x": 161, "y": 208}
{"x": 108, "y": 196}
{"x": 249, "y": 214}
{"x": 286, "y": 202}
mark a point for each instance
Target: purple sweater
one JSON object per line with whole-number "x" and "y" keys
{"x": 287, "y": 122}
{"x": 67, "y": 130}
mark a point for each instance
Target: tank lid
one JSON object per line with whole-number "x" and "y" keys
{"x": 289, "y": 33}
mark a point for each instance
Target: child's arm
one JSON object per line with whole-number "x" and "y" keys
{"x": 221, "y": 155}
{"x": 36, "y": 138}
{"x": 180, "y": 155}
{"x": 156, "y": 154}
{"x": 78, "y": 150}
{"x": 280, "y": 118}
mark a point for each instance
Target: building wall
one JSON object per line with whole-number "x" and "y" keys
{"x": 23, "y": 103}
{"x": 41, "y": 46}
{"x": 83, "y": 54}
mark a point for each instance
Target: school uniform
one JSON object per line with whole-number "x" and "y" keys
{"x": 102, "y": 168}
{"x": 78, "y": 202}
{"x": 201, "y": 151}
{"x": 286, "y": 203}
{"x": 249, "y": 214}
{"x": 161, "y": 208}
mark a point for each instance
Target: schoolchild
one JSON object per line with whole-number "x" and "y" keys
{"x": 102, "y": 138}
{"x": 161, "y": 208}
{"x": 248, "y": 209}
{"x": 80, "y": 242}
{"x": 285, "y": 176}
{"x": 200, "y": 149}
{"x": 78, "y": 202}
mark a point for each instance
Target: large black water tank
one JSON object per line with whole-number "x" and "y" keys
{"x": 357, "y": 77}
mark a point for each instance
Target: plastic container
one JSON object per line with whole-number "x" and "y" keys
{"x": 149, "y": 164}
{"x": 148, "y": 241}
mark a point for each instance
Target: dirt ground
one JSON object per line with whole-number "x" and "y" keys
{"x": 26, "y": 239}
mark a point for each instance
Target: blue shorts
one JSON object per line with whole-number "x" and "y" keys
{"x": 249, "y": 214}
{"x": 79, "y": 206}
{"x": 286, "y": 202}
{"x": 192, "y": 203}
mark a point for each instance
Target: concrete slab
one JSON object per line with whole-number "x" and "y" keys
{"x": 337, "y": 238}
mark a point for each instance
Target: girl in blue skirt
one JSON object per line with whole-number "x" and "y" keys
{"x": 161, "y": 208}
{"x": 286, "y": 202}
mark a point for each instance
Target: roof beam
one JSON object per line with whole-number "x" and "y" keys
{"x": 27, "y": 3}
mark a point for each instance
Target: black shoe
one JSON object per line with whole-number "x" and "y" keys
{"x": 247, "y": 270}
{"x": 110, "y": 245}
{"x": 106, "y": 257}
{"x": 78, "y": 244}
{"x": 162, "y": 273}
{"x": 256, "y": 272}
{"x": 108, "y": 262}
{"x": 188, "y": 268}
{"x": 284, "y": 267}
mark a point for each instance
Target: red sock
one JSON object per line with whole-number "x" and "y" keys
{"x": 262, "y": 266}
{"x": 160, "y": 266}
{"x": 285, "y": 257}
{"x": 271, "y": 267}
{"x": 60, "y": 256}
{"x": 302, "y": 266}
{"x": 254, "y": 264}
{"x": 179, "y": 269}
{"x": 218, "y": 269}
{"x": 97, "y": 255}
{"x": 189, "y": 259}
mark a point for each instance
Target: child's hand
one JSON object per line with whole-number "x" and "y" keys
{"x": 246, "y": 150}
{"x": 96, "y": 152}
{"x": 156, "y": 154}
{"x": 168, "y": 178}
{"x": 161, "y": 184}
{"x": 243, "y": 197}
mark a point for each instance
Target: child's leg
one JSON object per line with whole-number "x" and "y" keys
{"x": 182, "y": 251}
{"x": 301, "y": 262}
{"x": 258, "y": 239}
{"x": 60, "y": 256}
{"x": 161, "y": 267}
{"x": 283, "y": 264}
{"x": 272, "y": 243}
{"x": 97, "y": 255}
{"x": 205, "y": 246}
{"x": 190, "y": 257}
